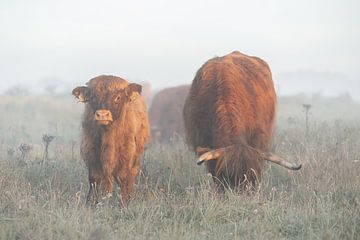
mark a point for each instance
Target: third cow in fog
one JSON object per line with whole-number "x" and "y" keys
{"x": 165, "y": 113}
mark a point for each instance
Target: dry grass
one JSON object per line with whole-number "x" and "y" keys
{"x": 175, "y": 198}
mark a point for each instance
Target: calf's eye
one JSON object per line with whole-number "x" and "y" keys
{"x": 117, "y": 98}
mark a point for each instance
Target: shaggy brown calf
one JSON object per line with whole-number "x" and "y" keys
{"x": 115, "y": 129}
{"x": 165, "y": 113}
{"x": 229, "y": 117}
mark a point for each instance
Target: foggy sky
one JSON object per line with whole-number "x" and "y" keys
{"x": 164, "y": 42}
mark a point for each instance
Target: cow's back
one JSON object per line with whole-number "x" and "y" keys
{"x": 232, "y": 98}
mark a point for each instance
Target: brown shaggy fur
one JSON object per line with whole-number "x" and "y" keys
{"x": 232, "y": 103}
{"x": 165, "y": 113}
{"x": 112, "y": 152}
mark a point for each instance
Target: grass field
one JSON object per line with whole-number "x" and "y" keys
{"x": 175, "y": 199}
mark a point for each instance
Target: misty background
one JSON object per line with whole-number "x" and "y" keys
{"x": 311, "y": 46}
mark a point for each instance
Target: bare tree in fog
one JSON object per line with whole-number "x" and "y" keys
{"x": 17, "y": 90}
{"x": 47, "y": 140}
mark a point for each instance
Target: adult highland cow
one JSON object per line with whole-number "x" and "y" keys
{"x": 115, "y": 129}
{"x": 229, "y": 118}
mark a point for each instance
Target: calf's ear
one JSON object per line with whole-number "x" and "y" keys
{"x": 133, "y": 90}
{"x": 81, "y": 93}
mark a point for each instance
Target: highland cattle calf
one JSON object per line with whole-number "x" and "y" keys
{"x": 229, "y": 118}
{"x": 165, "y": 113}
{"x": 115, "y": 129}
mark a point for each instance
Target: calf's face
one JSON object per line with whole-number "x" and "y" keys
{"x": 107, "y": 105}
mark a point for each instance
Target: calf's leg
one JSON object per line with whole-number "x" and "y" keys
{"x": 126, "y": 181}
{"x": 95, "y": 177}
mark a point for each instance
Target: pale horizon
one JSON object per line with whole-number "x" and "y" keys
{"x": 165, "y": 42}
